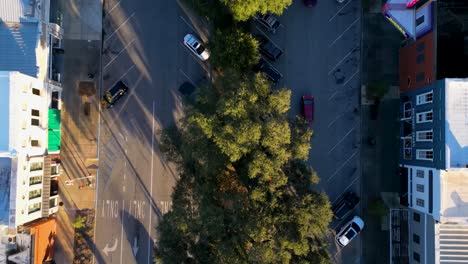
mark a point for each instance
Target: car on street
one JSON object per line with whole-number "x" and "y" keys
{"x": 268, "y": 48}
{"x": 196, "y": 47}
{"x": 270, "y": 72}
{"x": 308, "y": 104}
{"x": 269, "y": 21}
{"x": 349, "y": 231}
{"x": 310, "y": 2}
{"x": 345, "y": 205}
{"x": 114, "y": 94}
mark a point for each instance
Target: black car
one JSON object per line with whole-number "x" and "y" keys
{"x": 114, "y": 94}
{"x": 345, "y": 205}
{"x": 269, "y": 49}
{"x": 270, "y": 72}
{"x": 269, "y": 21}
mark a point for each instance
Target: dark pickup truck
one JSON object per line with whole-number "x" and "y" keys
{"x": 268, "y": 48}
{"x": 345, "y": 205}
{"x": 269, "y": 22}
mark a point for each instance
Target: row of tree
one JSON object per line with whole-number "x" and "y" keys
{"x": 245, "y": 192}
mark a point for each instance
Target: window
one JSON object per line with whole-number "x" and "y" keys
{"x": 420, "y": 188}
{"x": 416, "y": 217}
{"x": 420, "y": 202}
{"x": 35, "y": 194}
{"x": 407, "y": 110}
{"x": 420, "y": 173}
{"x": 416, "y": 257}
{"x": 420, "y": 58}
{"x": 34, "y": 122}
{"x": 420, "y": 47}
{"x": 34, "y": 166}
{"x": 53, "y": 170}
{"x": 420, "y": 77}
{"x": 424, "y": 98}
{"x": 415, "y": 238}
{"x": 419, "y": 20}
{"x": 34, "y": 208}
{"x": 35, "y": 143}
{"x": 34, "y": 112}
{"x": 425, "y": 135}
{"x": 424, "y": 117}
{"x": 424, "y": 154}
{"x": 36, "y": 91}
{"x": 35, "y": 180}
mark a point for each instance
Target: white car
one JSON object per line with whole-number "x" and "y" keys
{"x": 195, "y": 46}
{"x": 349, "y": 231}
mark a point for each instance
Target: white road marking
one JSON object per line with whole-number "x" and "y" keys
{"x": 344, "y": 58}
{"x": 342, "y": 165}
{"x": 339, "y": 196}
{"x": 334, "y": 120}
{"x": 186, "y": 76}
{"x": 118, "y": 3}
{"x": 115, "y": 31}
{"x": 125, "y": 48}
{"x": 121, "y": 230}
{"x": 188, "y": 24}
{"x": 123, "y": 75}
{"x": 347, "y": 3}
{"x": 341, "y": 35}
{"x": 333, "y": 95}
{"x": 341, "y": 140}
{"x": 151, "y": 189}
{"x": 202, "y": 63}
{"x": 350, "y": 78}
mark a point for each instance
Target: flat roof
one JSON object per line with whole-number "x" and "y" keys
{"x": 456, "y": 123}
{"x": 454, "y": 196}
{"x": 17, "y": 11}
{"x": 5, "y": 111}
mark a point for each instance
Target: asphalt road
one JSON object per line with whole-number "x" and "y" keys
{"x": 142, "y": 46}
{"x": 322, "y": 57}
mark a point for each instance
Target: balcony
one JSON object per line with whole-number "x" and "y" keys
{"x": 408, "y": 149}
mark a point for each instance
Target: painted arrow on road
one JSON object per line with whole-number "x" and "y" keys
{"x": 108, "y": 249}
{"x": 135, "y": 246}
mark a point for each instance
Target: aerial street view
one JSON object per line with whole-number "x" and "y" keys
{"x": 234, "y": 131}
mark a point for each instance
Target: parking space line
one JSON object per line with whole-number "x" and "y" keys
{"x": 341, "y": 140}
{"x": 350, "y": 78}
{"x": 118, "y": 3}
{"x": 126, "y": 46}
{"x": 115, "y": 31}
{"x": 188, "y": 24}
{"x": 341, "y": 35}
{"x": 334, "y": 120}
{"x": 344, "y": 58}
{"x": 342, "y": 165}
{"x": 202, "y": 63}
{"x": 346, "y": 189}
{"x": 186, "y": 76}
{"x": 333, "y": 95}
{"x": 123, "y": 75}
{"x": 347, "y": 3}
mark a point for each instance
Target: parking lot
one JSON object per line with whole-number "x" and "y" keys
{"x": 321, "y": 57}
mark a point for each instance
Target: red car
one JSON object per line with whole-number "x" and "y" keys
{"x": 310, "y": 2}
{"x": 308, "y": 108}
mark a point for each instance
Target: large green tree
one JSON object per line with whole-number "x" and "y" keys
{"x": 244, "y": 195}
{"x": 234, "y": 49}
{"x": 244, "y": 9}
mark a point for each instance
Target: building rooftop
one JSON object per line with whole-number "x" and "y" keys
{"x": 19, "y": 10}
{"x": 456, "y": 123}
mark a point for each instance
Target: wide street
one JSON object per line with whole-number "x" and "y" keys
{"x": 142, "y": 45}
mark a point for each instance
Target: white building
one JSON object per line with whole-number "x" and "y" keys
{"x": 438, "y": 185}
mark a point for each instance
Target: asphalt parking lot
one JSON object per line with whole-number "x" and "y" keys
{"x": 321, "y": 57}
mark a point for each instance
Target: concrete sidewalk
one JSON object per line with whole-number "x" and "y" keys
{"x": 82, "y": 20}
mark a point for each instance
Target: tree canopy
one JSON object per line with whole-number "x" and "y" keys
{"x": 244, "y": 9}
{"x": 244, "y": 195}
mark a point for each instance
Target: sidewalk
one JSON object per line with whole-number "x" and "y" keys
{"x": 80, "y": 115}
{"x": 379, "y": 161}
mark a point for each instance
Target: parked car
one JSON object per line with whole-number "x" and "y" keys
{"x": 196, "y": 47}
{"x": 308, "y": 104}
{"x": 269, "y": 49}
{"x": 270, "y": 72}
{"x": 269, "y": 21}
{"x": 187, "y": 89}
{"x": 345, "y": 205}
{"x": 349, "y": 231}
{"x": 311, "y": 2}
{"x": 114, "y": 94}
